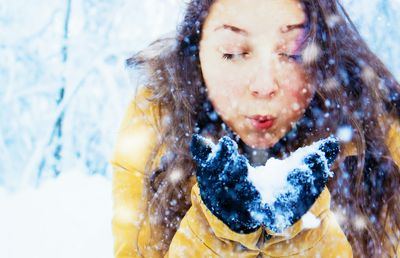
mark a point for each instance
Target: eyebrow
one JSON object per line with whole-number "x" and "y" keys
{"x": 243, "y": 32}
{"x": 293, "y": 27}
{"x": 233, "y": 28}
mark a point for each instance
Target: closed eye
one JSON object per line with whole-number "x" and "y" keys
{"x": 296, "y": 58}
{"x": 229, "y": 56}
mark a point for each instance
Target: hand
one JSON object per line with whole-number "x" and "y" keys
{"x": 305, "y": 185}
{"x": 224, "y": 187}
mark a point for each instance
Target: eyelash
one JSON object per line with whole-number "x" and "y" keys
{"x": 295, "y": 58}
{"x": 231, "y": 57}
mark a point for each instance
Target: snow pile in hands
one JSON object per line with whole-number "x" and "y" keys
{"x": 270, "y": 180}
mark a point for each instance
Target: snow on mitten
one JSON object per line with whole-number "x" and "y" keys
{"x": 289, "y": 187}
{"x": 276, "y": 195}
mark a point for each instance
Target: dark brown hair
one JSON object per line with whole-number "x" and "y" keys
{"x": 354, "y": 88}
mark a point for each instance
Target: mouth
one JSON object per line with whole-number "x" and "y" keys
{"x": 262, "y": 122}
{"x": 262, "y": 117}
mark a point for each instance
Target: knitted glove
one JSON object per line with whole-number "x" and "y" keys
{"x": 226, "y": 190}
{"x": 304, "y": 185}
{"x": 224, "y": 187}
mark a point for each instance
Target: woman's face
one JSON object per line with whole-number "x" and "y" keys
{"x": 249, "y": 59}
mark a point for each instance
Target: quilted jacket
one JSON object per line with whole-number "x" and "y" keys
{"x": 200, "y": 233}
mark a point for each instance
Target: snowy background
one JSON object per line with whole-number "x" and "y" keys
{"x": 63, "y": 90}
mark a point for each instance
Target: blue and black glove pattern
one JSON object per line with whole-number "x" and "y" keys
{"x": 224, "y": 187}
{"x": 227, "y": 192}
{"x": 290, "y": 206}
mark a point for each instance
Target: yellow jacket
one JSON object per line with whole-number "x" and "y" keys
{"x": 200, "y": 233}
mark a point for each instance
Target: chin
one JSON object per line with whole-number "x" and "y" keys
{"x": 260, "y": 143}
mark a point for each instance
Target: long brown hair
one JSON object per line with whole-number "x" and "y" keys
{"x": 354, "y": 89}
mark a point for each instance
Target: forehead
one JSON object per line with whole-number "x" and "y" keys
{"x": 257, "y": 17}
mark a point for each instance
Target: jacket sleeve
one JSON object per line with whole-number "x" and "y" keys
{"x": 135, "y": 140}
{"x": 128, "y": 209}
{"x": 393, "y": 231}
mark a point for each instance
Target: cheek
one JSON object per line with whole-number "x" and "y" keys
{"x": 225, "y": 95}
{"x": 224, "y": 88}
{"x": 222, "y": 80}
{"x": 298, "y": 92}
{"x": 299, "y": 102}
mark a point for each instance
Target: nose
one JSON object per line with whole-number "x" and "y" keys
{"x": 264, "y": 83}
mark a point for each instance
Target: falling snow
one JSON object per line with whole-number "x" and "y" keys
{"x": 64, "y": 90}
{"x": 345, "y": 133}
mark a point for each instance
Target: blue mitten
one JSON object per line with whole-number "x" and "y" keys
{"x": 304, "y": 185}
{"x": 226, "y": 190}
{"x": 224, "y": 187}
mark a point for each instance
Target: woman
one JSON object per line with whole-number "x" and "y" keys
{"x": 304, "y": 68}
